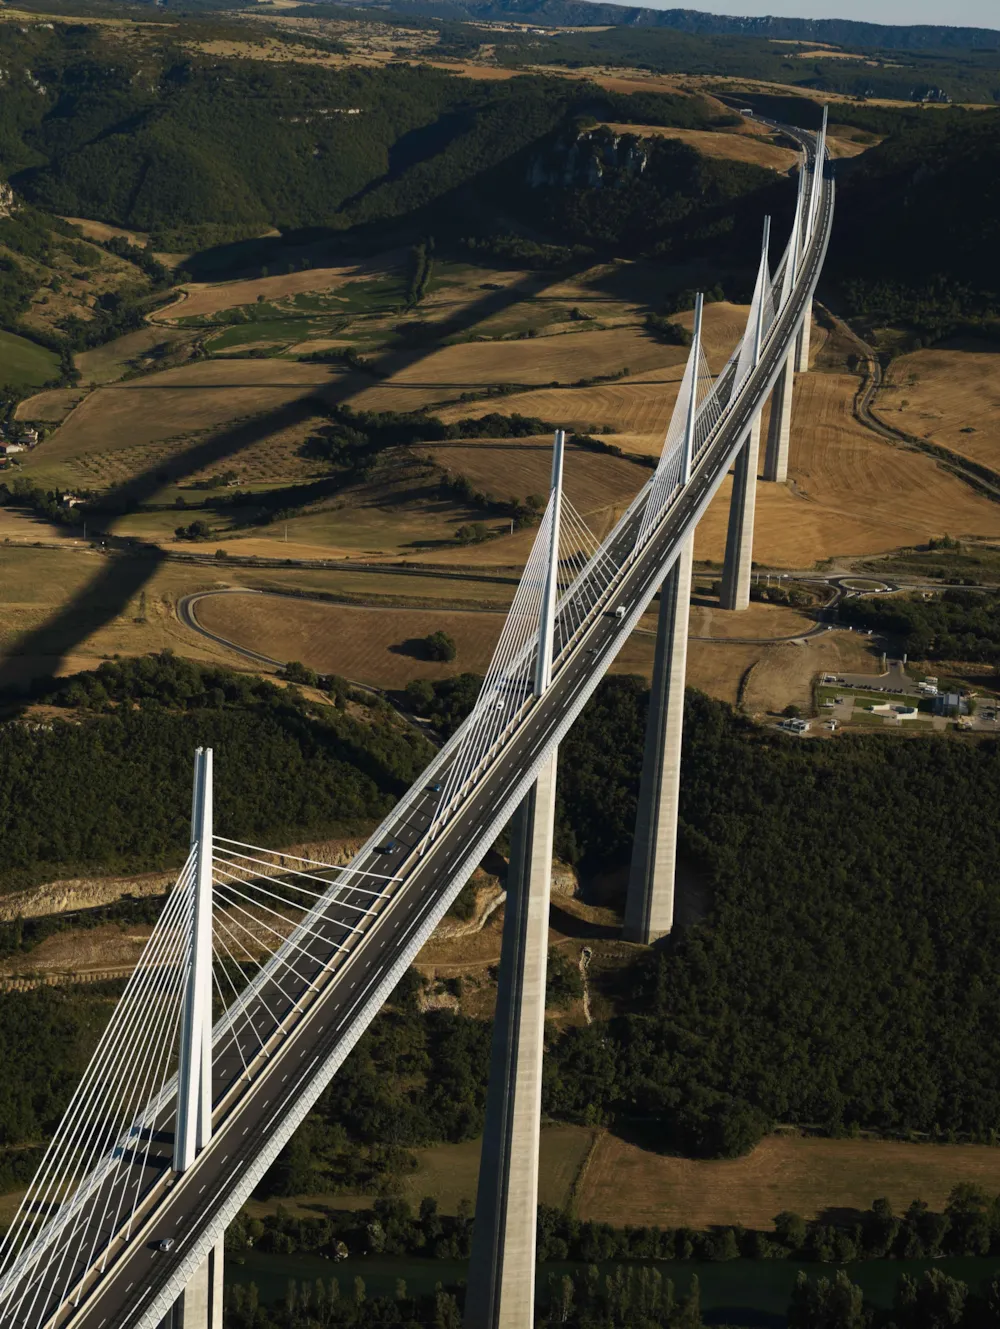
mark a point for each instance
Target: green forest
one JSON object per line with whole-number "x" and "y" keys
{"x": 286, "y": 767}
{"x": 843, "y": 989}
{"x": 955, "y": 625}
{"x": 196, "y": 149}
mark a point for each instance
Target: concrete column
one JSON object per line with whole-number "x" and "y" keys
{"x": 501, "y": 1287}
{"x": 802, "y": 342}
{"x": 649, "y": 906}
{"x": 779, "y": 431}
{"x": 739, "y": 539}
{"x": 200, "y": 1304}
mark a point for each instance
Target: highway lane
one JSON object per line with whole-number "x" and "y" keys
{"x": 351, "y": 983}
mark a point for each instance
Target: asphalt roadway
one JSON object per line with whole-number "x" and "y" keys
{"x": 342, "y": 974}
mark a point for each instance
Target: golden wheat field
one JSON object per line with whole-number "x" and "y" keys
{"x": 731, "y": 147}
{"x": 949, "y": 395}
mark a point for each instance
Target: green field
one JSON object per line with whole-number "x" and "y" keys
{"x": 24, "y": 364}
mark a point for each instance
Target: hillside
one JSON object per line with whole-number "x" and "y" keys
{"x": 840, "y": 32}
{"x": 918, "y": 225}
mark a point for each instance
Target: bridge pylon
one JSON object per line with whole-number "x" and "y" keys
{"x": 649, "y": 904}
{"x": 501, "y": 1286}
{"x": 802, "y": 347}
{"x": 739, "y": 537}
{"x": 200, "y": 1304}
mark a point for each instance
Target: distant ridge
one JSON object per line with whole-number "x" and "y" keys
{"x": 838, "y": 32}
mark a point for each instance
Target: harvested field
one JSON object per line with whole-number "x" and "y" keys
{"x": 376, "y": 646}
{"x": 51, "y": 406}
{"x": 178, "y": 402}
{"x": 593, "y": 482}
{"x": 625, "y": 1184}
{"x": 562, "y": 358}
{"x": 202, "y": 300}
{"x": 849, "y": 493}
{"x": 152, "y": 347}
{"x": 731, "y": 147}
{"x": 716, "y": 668}
{"x": 760, "y": 620}
{"x": 636, "y": 408}
{"x": 451, "y": 1171}
{"x": 949, "y": 395}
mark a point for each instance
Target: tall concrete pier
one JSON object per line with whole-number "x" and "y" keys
{"x": 802, "y": 349}
{"x": 649, "y": 907}
{"x": 200, "y": 1304}
{"x": 739, "y": 537}
{"x": 779, "y": 433}
{"x": 501, "y": 1289}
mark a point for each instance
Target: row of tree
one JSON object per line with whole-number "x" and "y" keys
{"x": 969, "y": 1225}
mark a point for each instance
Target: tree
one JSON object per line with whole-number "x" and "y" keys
{"x": 935, "y": 1302}
{"x": 790, "y": 1229}
{"x": 835, "y": 1303}
{"x": 439, "y": 646}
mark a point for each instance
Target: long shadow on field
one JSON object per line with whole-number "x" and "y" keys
{"x": 125, "y": 573}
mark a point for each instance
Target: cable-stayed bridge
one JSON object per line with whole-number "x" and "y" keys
{"x": 264, "y": 970}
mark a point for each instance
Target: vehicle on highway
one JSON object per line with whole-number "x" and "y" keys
{"x": 389, "y": 847}
{"x": 165, "y": 1244}
{"x": 620, "y": 613}
{"x": 434, "y": 788}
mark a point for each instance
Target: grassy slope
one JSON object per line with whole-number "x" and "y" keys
{"x": 25, "y": 364}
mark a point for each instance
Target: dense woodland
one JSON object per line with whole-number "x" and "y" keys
{"x": 286, "y": 767}
{"x": 191, "y": 148}
{"x": 846, "y": 987}
{"x": 956, "y": 625}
